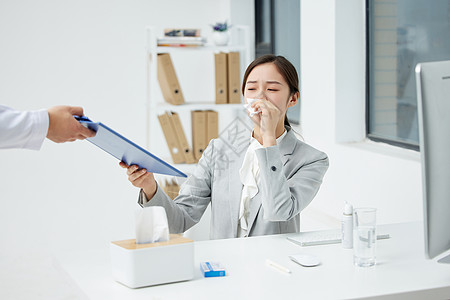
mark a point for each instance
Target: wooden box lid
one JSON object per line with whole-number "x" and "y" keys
{"x": 174, "y": 239}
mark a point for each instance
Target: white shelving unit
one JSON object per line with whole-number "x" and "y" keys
{"x": 195, "y": 71}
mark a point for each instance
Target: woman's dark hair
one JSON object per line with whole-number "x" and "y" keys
{"x": 286, "y": 69}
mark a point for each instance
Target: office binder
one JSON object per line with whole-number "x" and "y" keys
{"x": 168, "y": 80}
{"x": 234, "y": 79}
{"x": 170, "y": 134}
{"x": 220, "y": 63}
{"x": 212, "y": 125}
{"x": 171, "y": 188}
{"x": 199, "y": 142}
{"x": 182, "y": 140}
{"x": 125, "y": 150}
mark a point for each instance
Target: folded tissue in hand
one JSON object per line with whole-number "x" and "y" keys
{"x": 248, "y": 107}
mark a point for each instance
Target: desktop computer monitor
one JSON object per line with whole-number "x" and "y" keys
{"x": 433, "y": 102}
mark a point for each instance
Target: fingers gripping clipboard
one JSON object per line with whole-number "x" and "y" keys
{"x": 125, "y": 150}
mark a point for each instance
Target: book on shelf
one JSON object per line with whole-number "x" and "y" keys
{"x": 181, "y": 137}
{"x": 227, "y": 77}
{"x": 168, "y": 80}
{"x": 176, "y": 139}
{"x": 234, "y": 78}
{"x": 171, "y": 139}
{"x": 212, "y": 125}
{"x": 179, "y": 37}
{"x": 171, "y": 188}
{"x": 221, "y": 77}
{"x": 198, "y": 118}
{"x": 188, "y": 32}
{"x": 176, "y": 41}
{"x": 205, "y": 126}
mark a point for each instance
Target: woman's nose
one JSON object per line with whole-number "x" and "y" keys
{"x": 261, "y": 95}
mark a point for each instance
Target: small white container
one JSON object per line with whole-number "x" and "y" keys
{"x": 347, "y": 227}
{"x": 139, "y": 265}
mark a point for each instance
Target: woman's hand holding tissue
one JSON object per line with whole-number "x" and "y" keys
{"x": 141, "y": 178}
{"x": 267, "y": 120}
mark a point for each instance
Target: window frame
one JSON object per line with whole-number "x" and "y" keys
{"x": 260, "y": 47}
{"x": 369, "y": 135}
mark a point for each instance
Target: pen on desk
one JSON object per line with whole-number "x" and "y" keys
{"x": 277, "y": 266}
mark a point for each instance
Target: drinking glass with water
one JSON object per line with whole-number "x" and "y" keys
{"x": 364, "y": 237}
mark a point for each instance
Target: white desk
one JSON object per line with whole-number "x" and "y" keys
{"x": 402, "y": 272}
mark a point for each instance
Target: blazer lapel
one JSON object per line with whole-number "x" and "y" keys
{"x": 255, "y": 206}
{"x": 286, "y": 147}
{"x": 235, "y": 189}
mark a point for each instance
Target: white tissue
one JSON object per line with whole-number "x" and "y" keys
{"x": 151, "y": 225}
{"x": 248, "y": 107}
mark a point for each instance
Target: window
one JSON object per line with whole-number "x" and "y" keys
{"x": 264, "y": 35}
{"x": 277, "y": 25}
{"x": 400, "y": 34}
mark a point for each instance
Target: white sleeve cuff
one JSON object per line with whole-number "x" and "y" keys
{"x": 40, "y": 123}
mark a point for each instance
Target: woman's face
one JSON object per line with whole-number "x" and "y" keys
{"x": 265, "y": 82}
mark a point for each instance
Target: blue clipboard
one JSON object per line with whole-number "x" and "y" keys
{"x": 125, "y": 150}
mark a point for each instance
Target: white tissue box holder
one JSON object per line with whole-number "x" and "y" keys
{"x": 139, "y": 265}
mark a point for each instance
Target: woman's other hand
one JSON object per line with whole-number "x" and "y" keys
{"x": 141, "y": 178}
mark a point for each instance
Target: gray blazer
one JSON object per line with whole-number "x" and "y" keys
{"x": 290, "y": 176}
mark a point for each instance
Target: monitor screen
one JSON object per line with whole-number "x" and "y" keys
{"x": 433, "y": 100}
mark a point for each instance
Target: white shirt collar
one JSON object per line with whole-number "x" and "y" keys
{"x": 279, "y": 139}
{"x": 249, "y": 175}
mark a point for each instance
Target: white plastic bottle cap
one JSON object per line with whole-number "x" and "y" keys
{"x": 348, "y": 209}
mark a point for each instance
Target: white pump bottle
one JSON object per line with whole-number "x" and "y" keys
{"x": 347, "y": 226}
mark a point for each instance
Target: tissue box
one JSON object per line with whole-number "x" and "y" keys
{"x": 139, "y": 265}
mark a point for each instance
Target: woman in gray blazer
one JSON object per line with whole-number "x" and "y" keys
{"x": 258, "y": 185}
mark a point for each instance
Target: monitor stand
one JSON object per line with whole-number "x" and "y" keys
{"x": 445, "y": 260}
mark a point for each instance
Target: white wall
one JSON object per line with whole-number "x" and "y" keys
{"x": 72, "y": 197}
{"x": 92, "y": 53}
{"x": 332, "y": 75}
{"x": 89, "y": 53}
